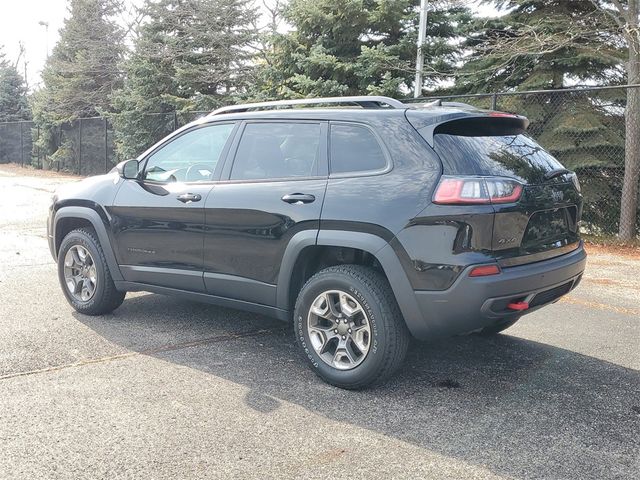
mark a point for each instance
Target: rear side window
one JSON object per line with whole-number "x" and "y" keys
{"x": 354, "y": 148}
{"x": 277, "y": 150}
{"x": 505, "y": 155}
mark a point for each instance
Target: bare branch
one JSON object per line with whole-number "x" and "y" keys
{"x": 620, "y": 21}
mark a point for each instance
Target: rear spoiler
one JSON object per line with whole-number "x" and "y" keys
{"x": 470, "y": 123}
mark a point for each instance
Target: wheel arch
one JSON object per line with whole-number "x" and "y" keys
{"x": 71, "y": 217}
{"x": 372, "y": 244}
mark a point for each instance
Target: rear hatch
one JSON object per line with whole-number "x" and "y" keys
{"x": 537, "y": 203}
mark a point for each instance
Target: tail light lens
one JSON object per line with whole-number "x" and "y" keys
{"x": 476, "y": 190}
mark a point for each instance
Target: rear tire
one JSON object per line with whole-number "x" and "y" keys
{"x": 349, "y": 326}
{"x": 498, "y": 327}
{"x": 84, "y": 275}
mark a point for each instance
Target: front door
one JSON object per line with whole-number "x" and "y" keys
{"x": 158, "y": 219}
{"x": 273, "y": 189}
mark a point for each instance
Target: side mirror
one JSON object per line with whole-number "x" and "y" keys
{"x": 128, "y": 169}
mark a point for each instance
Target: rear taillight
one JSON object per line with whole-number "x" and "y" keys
{"x": 474, "y": 190}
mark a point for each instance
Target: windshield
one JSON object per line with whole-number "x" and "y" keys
{"x": 515, "y": 156}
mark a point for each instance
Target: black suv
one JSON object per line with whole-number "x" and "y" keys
{"x": 364, "y": 225}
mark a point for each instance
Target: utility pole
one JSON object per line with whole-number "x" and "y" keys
{"x": 422, "y": 36}
{"x": 44, "y": 24}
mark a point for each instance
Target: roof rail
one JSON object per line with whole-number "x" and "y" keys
{"x": 367, "y": 101}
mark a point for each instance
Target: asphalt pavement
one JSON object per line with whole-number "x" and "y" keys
{"x": 169, "y": 389}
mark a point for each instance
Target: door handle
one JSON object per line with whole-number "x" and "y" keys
{"x": 298, "y": 198}
{"x": 189, "y": 197}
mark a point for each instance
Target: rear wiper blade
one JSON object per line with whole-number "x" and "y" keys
{"x": 556, "y": 173}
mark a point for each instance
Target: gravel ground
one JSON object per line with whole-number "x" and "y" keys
{"x": 164, "y": 388}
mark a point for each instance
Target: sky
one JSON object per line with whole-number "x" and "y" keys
{"x": 19, "y": 22}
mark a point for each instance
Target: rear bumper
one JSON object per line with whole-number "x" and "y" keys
{"x": 472, "y": 303}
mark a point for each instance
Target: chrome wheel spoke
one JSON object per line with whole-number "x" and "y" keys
{"x": 74, "y": 283}
{"x": 321, "y": 338}
{"x": 87, "y": 289}
{"x": 361, "y": 336}
{"x": 80, "y": 273}
{"x": 339, "y": 329}
{"x": 82, "y": 254}
{"x": 331, "y": 302}
{"x": 344, "y": 357}
{"x": 93, "y": 275}
{"x": 79, "y": 284}
{"x": 320, "y": 307}
{"x": 348, "y": 306}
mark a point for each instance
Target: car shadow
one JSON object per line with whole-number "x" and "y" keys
{"x": 516, "y": 407}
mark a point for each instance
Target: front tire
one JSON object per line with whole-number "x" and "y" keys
{"x": 84, "y": 275}
{"x": 349, "y": 326}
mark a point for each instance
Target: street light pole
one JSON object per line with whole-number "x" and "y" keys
{"x": 422, "y": 36}
{"x": 44, "y": 24}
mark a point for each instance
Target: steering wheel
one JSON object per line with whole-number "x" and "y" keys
{"x": 195, "y": 168}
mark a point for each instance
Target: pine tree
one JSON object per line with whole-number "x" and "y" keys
{"x": 189, "y": 55}
{"x": 348, "y": 47}
{"x": 13, "y": 93}
{"x": 79, "y": 77}
{"x": 552, "y": 44}
{"x": 625, "y": 15}
{"x": 541, "y": 44}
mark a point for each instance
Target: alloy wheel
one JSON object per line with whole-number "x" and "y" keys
{"x": 80, "y": 273}
{"x": 339, "y": 329}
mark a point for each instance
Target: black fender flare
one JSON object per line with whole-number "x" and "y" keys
{"x": 373, "y": 244}
{"x": 97, "y": 222}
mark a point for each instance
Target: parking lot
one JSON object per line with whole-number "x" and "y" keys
{"x": 165, "y": 388}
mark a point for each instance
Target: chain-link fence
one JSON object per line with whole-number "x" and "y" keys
{"x": 85, "y": 146}
{"x": 16, "y": 143}
{"x": 583, "y": 128}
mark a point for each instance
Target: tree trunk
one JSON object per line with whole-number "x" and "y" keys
{"x": 629, "y": 200}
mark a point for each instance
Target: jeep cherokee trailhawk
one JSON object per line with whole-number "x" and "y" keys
{"x": 362, "y": 222}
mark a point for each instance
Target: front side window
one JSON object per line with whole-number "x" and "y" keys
{"x": 354, "y": 148}
{"x": 192, "y": 157}
{"x": 277, "y": 150}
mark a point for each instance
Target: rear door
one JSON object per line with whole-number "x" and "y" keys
{"x": 543, "y": 221}
{"x": 273, "y": 187}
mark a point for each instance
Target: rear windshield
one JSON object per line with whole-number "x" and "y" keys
{"x": 515, "y": 156}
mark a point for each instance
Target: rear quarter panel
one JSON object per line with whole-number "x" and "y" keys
{"x": 384, "y": 204}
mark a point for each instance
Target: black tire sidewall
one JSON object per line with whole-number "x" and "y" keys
{"x": 96, "y": 302}
{"x": 374, "y": 361}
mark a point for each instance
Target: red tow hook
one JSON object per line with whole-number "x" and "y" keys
{"x": 518, "y": 306}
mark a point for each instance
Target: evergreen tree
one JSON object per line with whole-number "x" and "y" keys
{"x": 79, "y": 77}
{"x": 189, "y": 55}
{"x": 541, "y": 44}
{"x": 13, "y": 93}
{"x": 626, "y": 17}
{"x": 348, "y": 47}
{"x": 551, "y": 44}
